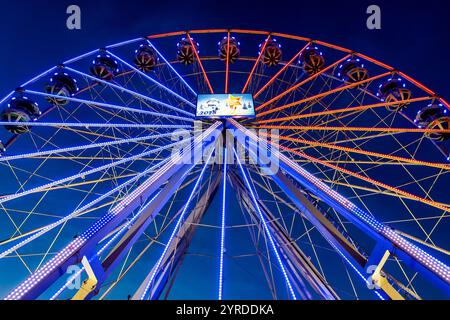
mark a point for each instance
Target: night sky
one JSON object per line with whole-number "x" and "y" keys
{"x": 414, "y": 36}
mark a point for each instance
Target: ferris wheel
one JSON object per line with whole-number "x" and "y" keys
{"x": 357, "y": 205}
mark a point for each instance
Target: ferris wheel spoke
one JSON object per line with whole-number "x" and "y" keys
{"x": 340, "y": 110}
{"x": 146, "y": 286}
{"x": 223, "y": 225}
{"x": 386, "y": 130}
{"x": 266, "y": 227}
{"x": 79, "y": 212}
{"x": 160, "y": 85}
{"x": 444, "y": 207}
{"x": 83, "y": 147}
{"x": 295, "y": 87}
{"x": 250, "y": 77}
{"x": 280, "y": 72}
{"x": 99, "y": 125}
{"x": 321, "y": 95}
{"x": 113, "y": 236}
{"x": 45, "y": 187}
{"x": 111, "y": 106}
{"x": 120, "y": 211}
{"x": 172, "y": 68}
{"x": 364, "y": 152}
{"x": 135, "y": 94}
{"x": 227, "y": 63}
{"x": 199, "y": 61}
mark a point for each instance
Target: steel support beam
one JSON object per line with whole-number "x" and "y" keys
{"x": 178, "y": 247}
{"x": 298, "y": 263}
{"x": 413, "y": 256}
{"x": 117, "y": 254}
{"x": 84, "y": 245}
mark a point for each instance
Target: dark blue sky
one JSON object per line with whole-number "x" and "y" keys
{"x": 414, "y": 36}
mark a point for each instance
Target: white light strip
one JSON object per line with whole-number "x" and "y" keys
{"x": 110, "y": 106}
{"x": 85, "y": 147}
{"x": 153, "y": 80}
{"x": 428, "y": 261}
{"x": 95, "y": 125}
{"x": 266, "y": 228}
{"x": 223, "y": 227}
{"x": 76, "y": 213}
{"x": 172, "y": 68}
{"x": 180, "y": 220}
{"x": 89, "y": 172}
{"x": 168, "y": 106}
{"x": 37, "y": 277}
{"x": 125, "y": 228}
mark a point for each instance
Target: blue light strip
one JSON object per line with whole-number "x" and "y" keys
{"x": 173, "y": 69}
{"x": 7, "y": 97}
{"x": 81, "y": 56}
{"x": 43, "y": 74}
{"x": 125, "y": 228}
{"x": 96, "y": 125}
{"x": 266, "y": 228}
{"x": 436, "y": 266}
{"x": 335, "y": 247}
{"x": 110, "y": 106}
{"x": 129, "y": 203}
{"x": 83, "y": 147}
{"x": 177, "y": 226}
{"x": 120, "y": 44}
{"x": 89, "y": 172}
{"x": 153, "y": 80}
{"x": 74, "y": 214}
{"x": 168, "y": 106}
{"x": 224, "y": 211}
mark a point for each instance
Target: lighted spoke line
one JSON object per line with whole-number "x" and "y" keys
{"x": 110, "y": 106}
{"x": 194, "y": 47}
{"x": 172, "y": 68}
{"x": 340, "y": 253}
{"x": 295, "y": 87}
{"x": 227, "y": 67}
{"x": 439, "y": 268}
{"x": 342, "y": 110}
{"x": 279, "y": 73}
{"x": 96, "y": 125}
{"x": 122, "y": 230}
{"x": 363, "y": 152}
{"x": 177, "y": 226}
{"x": 78, "y": 243}
{"x": 322, "y": 95}
{"x": 153, "y": 80}
{"x": 444, "y": 207}
{"x": 153, "y": 241}
{"x": 84, "y": 147}
{"x": 130, "y": 92}
{"x": 75, "y": 245}
{"x": 249, "y": 80}
{"x": 224, "y": 210}
{"x": 80, "y": 211}
{"x": 89, "y": 172}
{"x": 266, "y": 227}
